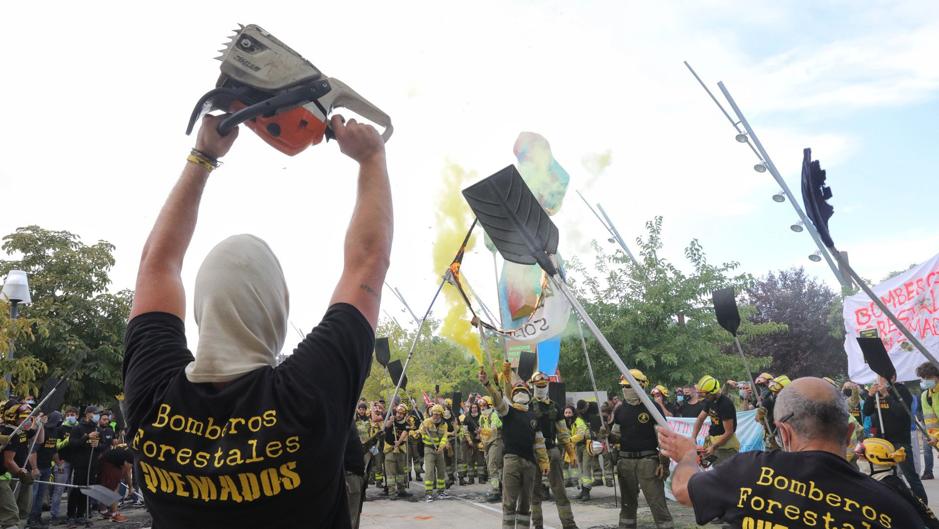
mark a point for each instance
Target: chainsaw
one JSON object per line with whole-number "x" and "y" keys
{"x": 278, "y": 94}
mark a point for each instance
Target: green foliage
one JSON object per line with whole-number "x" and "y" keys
{"x": 435, "y": 361}
{"x": 658, "y": 317}
{"x": 812, "y": 311}
{"x": 73, "y": 319}
{"x": 25, "y": 370}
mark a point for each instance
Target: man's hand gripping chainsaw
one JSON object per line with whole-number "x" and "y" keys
{"x": 280, "y": 95}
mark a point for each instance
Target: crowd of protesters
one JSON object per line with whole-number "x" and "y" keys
{"x": 47, "y": 456}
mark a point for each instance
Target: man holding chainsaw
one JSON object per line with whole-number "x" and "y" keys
{"x": 244, "y": 441}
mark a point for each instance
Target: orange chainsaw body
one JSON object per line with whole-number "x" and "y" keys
{"x": 289, "y": 132}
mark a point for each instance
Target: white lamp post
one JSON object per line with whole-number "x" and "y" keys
{"x": 16, "y": 291}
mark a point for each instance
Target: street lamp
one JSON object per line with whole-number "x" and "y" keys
{"x": 16, "y": 291}
{"x": 779, "y": 197}
{"x": 815, "y": 257}
{"x": 798, "y": 227}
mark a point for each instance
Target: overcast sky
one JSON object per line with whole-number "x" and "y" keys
{"x": 97, "y": 96}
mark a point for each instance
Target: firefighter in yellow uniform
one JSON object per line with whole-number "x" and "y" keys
{"x": 434, "y": 432}
{"x": 764, "y": 414}
{"x": 490, "y": 433}
{"x": 376, "y": 429}
{"x": 472, "y": 463}
{"x": 397, "y": 432}
{"x": 580, "y": 437}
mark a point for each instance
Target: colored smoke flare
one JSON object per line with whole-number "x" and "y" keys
{"x": 453, "y": 218}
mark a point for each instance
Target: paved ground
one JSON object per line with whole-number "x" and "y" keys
{"x": 468, "y": 510}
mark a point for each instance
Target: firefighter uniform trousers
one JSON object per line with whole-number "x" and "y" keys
{"x": 556, "y": 482}
{"x": 472, "y": 463}
{"x": 416, "y": 456}
{"x": 635, "y": 474}
{"x": 435, "y": 470}
{"x": 494, "y": 463}
{"x": 396, "y": 464}
{"x": 518, "y": 482}
{"x": 586, "y": 467}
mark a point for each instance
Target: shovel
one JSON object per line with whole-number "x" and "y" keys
{"x": 99, "y": 493}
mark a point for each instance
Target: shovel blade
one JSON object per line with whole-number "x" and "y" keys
{"x": 101, "y": 494}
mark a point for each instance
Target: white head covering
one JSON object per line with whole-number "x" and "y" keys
{"x": 241, "y": 309}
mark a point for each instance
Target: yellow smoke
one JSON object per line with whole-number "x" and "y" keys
{"x": 453, "y": 218}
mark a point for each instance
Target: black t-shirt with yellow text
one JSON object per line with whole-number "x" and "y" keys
{"x": 788, "y": 490}
{"x": 720, "y": 410}
{"x": 265, "y": 450}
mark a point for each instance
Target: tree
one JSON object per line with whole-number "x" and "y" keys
{"x": 811, "y": 310}
{"x": 435, "y": 361}
{"x": 74, "y": 319}
{"x": 659, "y": 318}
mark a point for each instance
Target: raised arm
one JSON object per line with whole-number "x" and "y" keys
{"x": 159, "y": 276}
{"x": 367, "y": 250}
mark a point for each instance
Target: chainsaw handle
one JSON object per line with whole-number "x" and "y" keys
{"x": 341, "y": 96}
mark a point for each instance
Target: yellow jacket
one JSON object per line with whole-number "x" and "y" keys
{"x": 434, "y": 435}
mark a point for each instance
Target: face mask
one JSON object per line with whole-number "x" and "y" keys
{"x": 31, "y": 402}
{"x": 521, "y": 398}
{"x": 95, "y": 417}
{"x": 680, "y": 398}
{"x": 541, "y": 393}
{"x": 742, "y": 393}
{"x": 929, "y": 383}
{"x": 847, "y": 392}
{"x": 71, "y": 420}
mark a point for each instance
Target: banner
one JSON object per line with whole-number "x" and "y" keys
{"x": 749, "y": 433}
{"x": 912, "y": 297}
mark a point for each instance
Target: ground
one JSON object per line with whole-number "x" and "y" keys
{"x": 468, "y": 510}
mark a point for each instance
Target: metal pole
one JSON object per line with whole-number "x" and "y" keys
{"x": 768, "y": 162}
{"x": 14, "y": 313}
{"x": 646, "y": 401}
{"x": 616, "y": 235}
{"x": 596, "y": 391}
{"x": 883, "y": 308}
{"x": 495, "y": 270}
{"x": 608, "y": 224}
{"x": 417, "y": 337}
{"x": 746, "y": 366}
{"x": 880, "y": 416}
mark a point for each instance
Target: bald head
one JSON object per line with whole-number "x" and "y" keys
{"x": 814, "y": 409}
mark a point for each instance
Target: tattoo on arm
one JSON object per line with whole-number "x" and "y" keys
{"x": 369, "y": 289}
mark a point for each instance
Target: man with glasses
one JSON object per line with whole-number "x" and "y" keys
{"x": 808, "y": 483}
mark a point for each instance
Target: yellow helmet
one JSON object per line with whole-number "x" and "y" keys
{"x": 778, "y": 383}
{"x": 661, "y": 389}
{"x": 448, "y": 402}
{"x": 436, "y": 408}
{"x": 882, "y": 452}
{"x": 638, "y": 375}
{"x": 594, "y": 448}
{"x": 538, "y": 379}
{"x": 402, "y": 408}
{"x": 488, "y": 400}
{"x": 11, "y": 410}
{"x": 519, "y": 387}
{"x": 708, "y": 385}
{"x": 764, "y": 377}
